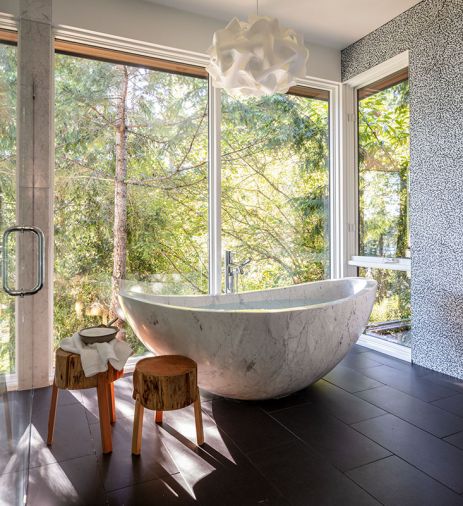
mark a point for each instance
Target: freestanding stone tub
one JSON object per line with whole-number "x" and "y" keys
{"x": 255, "y": 345}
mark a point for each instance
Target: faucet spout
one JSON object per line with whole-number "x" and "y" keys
{"x": 232, "y": 271}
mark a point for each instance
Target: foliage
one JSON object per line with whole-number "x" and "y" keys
{"x": 275, "y": 188}
{"x": 384, "y": 160}
{"x": 166, "y": 177}
{"x": 7, "y": 192}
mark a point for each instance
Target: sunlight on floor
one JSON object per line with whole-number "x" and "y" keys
{"x": 53, "y": 475}
{"x": 20, "y": 454}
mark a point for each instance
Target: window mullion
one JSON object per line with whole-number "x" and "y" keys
{"x": 214, "y": 174}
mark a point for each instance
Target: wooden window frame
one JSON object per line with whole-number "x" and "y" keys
{"x": 382, "y": 84}
{"x": 120, "y": 57}
{"x": 9, "y": 37}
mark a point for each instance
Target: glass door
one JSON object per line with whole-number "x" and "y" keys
{"x": 15, "y": 406}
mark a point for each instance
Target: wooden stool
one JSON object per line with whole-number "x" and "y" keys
{"x": 165, "y": 383}
{"x": 69, "y": 375}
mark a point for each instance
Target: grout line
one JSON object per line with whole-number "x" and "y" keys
{"x": 445, "y": 412}
{"x": 414, "y": 467}
{"x": 408, "y": 462}
{"x": 391, "y": 454}
{"x": 279, "y": 410}
{"x": 93, "y": 454}
{"x": 328, "y": 461}
{"x": 406, "y": 421}
{"x": 450, "y": 435}
{"x": 107, "y": 492}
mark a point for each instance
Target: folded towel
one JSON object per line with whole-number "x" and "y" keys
{"x": 95, "y": 357}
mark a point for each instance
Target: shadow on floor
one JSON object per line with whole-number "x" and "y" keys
{"x": 323, "y": 445}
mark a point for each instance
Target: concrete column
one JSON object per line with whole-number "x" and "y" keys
{"x": 34, "y": 188}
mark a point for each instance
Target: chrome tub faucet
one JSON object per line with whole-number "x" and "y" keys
{"x": 232, "y": 271}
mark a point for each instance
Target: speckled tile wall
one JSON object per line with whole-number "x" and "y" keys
{"x": 433, "y": 33}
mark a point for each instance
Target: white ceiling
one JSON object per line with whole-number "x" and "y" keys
{"x": 333, "y": 23}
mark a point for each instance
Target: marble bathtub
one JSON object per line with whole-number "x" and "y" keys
{"x": 255, "y": 345}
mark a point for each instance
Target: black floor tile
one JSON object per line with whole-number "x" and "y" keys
{"x": 281, "y": 452}
{"x": 396, "y": 363}
{"x": 168, "y": 491}
{"x": 413, "y": 410}
{"x": 431, "y": 455}
{"x": 14, "y": 451}
{"x": 394, "y": 482}
{"x": 304, "y": 478}
{"x": 13, "y": 487}
{"x": 343, "y": 446}
{"x": 359, "y": 361}
{"x": 73, "y": 482}
{"x": 15, "y": 415}
{"x": 345, "y": 406}
{"x": 350, "y": 380}
{"x": 120, "y": 468}
{"x": 247, "y": 424}
{"x": 407, "y": 382}
{"x": 456, "y": 440}
{"x": 42, "y": 396}
{"x": 71, "y": 437}
{"x": 452, "y": 404}
{"x": 296, "y": 399}
{"x": 173, "y": 490}
{"x": 444, "y": 380}
{"x": 217, "y": 472}
{"x": 357, "y": 348}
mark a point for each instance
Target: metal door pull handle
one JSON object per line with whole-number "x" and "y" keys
{"x": 40, "y": 261}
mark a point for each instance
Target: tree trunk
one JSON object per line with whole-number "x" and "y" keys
{"x": 120, "y": 194}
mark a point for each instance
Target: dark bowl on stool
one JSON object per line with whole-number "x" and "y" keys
{"x": 92, "y": 335}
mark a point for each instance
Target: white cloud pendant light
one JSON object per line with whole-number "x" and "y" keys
{"x": 257, "y": 57}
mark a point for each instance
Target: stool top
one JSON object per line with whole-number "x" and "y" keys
{"x": 165, "y": 365}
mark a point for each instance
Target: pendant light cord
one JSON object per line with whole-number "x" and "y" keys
{"x": 257, "y": 7}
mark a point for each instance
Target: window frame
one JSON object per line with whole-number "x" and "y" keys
{"x": 380, "y": 77}
{"x": 179, "y": 63}
{"x": 350, "y": 225}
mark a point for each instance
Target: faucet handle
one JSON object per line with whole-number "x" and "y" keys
{"x": 243, "y": 264}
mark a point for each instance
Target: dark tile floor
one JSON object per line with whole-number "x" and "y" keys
{"x": 374, "y": 431}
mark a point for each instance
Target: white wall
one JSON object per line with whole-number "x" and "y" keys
{"x": 148, "y": 22}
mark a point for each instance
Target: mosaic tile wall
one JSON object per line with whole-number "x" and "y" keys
{"x": 433, "y": 33}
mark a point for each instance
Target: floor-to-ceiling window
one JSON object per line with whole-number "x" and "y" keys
{"x": 132, "y": 141}
{"x": 383, "y": 187}
{"x": 131, "y": 186}
{"x": 275, "y": 187}
{"x": 7, "y": 196}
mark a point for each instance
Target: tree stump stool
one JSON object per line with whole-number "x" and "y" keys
{"x": 69, "y": 375}
{"x": 165, "y": 383}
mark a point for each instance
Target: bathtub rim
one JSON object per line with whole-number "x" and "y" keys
{"x": 369, "y": 285}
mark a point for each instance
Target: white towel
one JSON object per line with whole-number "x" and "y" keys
{"x": 95, "y": 357}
